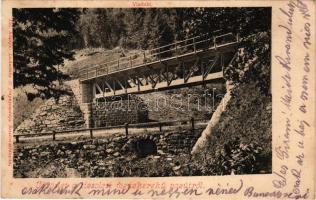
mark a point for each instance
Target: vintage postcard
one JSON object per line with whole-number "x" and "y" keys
{"x": 158, "y": 99}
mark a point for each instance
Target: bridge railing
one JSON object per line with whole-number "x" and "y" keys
{"x": 176, "y": 49}
{"x": 192, "y": 123}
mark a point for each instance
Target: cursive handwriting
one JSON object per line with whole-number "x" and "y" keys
{"x": 174, "y": 192}
{"x": 250, "y": 192}
{"x": 109, "y": 191}
{"x": 292, "y": 174}
{"x": 280, "y": 181}
{"x": 57, "y": 189}
{"x": 219, "y": 190}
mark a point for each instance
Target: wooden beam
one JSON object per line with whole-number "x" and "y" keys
{"x": 98, "y": 87}
{"x": 103, "y": 88}
{"x": 108, "y": 85}
{"x": 154, "y": 82}
{"x": 167, "y": 77}
{"x": 146, "y": 78}
{"x": 119, "y": 82}
{"x": 114, "y": 88}
{"x": 164, "y": 86}
{"x": 209, "y": 69}
{"x": 93, "y": 90}
{"x": 126, "y": 86}
{"x": 138, "y": 83}
{"x": 191, "y": 70}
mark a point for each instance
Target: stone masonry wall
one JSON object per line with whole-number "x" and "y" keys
{"x": 84, "y": 107}
{"x": 97, "y": 157}
{"x": 119, "y": 112}
{"x": 53, "y": 116}
{"x": 70, "y": 113}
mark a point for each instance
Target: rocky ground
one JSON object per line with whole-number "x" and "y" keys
{"x": 102, "y": 157}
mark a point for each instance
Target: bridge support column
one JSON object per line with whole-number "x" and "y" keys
{"x": 87, "y": 98}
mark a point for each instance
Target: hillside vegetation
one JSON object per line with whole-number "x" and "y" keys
{"x": 22, "y": 108}
{"x": 246, "y": 123}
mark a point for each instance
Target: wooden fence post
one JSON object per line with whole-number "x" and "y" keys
{"x": 54, "y": 136}
{"x": 91, "y": 134}
{"x": 126, "y": 130}
{"x": 17, "y": 138}
{"x": 160, "y": 127}
{"x": 192, "y": 124}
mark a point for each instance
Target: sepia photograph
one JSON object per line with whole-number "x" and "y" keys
{"x": 141, "y": 92}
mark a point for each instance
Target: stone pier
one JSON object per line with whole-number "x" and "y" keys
{"x": 86, "y": 103}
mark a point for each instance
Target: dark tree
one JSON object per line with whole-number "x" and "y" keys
{"x": 41, "y": 43}
{"x": 245, "y": 21}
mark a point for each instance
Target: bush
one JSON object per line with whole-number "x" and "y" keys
{"x": 252, "y": 63}
{"x": 238, "y": 158}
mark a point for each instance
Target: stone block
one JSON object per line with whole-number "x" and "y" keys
{"x": 89, "y": 147}
{"x": 43, "y": 113}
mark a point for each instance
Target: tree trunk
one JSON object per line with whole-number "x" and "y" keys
{"x": 203, "y": 141}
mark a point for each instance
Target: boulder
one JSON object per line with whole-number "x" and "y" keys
{"x": 109, "y": 151}
{"x": 89, "y": 147}
{"x": 116, "y": 154}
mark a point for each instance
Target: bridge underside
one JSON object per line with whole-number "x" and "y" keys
{"x": 194, "y": 68}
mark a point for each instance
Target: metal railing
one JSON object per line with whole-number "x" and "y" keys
{"x": 176, "y": 49}
{"x": 192, "y": 122}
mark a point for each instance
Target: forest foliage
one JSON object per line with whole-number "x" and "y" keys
{"x": 149, "y": 28}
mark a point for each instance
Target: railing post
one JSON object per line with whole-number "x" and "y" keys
{"x": 145, "y": 57}
{"x": 91, "y": 134}
{"x": 160, "y": 127}
{"x": 131, "y": 62}
{"x": 87, "y": 73}
{"x": 118, "y": 63}
{"x": 96, "y": 71}
{"x": 54, "y": 136}
{"x": 214, "y": 41}
{"x": 126, "y": 130}
{"x": 176, "y": 49}
{"x": 17, "y": 138}
{"x": 194, "y": 47}
{"x": 192, "y": 124}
